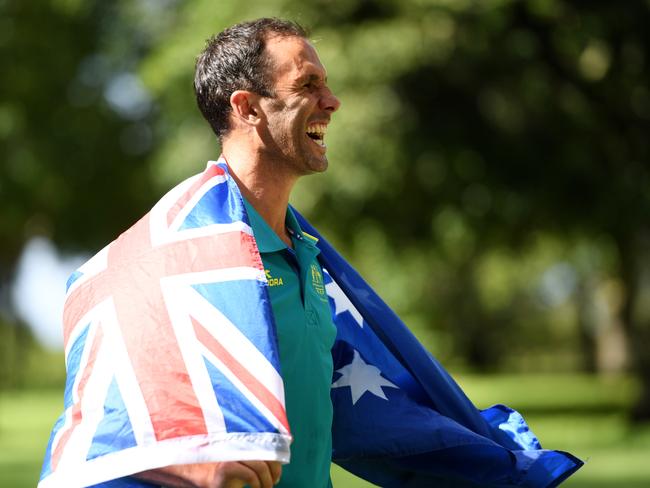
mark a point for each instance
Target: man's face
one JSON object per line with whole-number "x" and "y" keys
{"x": 298, "y": 115}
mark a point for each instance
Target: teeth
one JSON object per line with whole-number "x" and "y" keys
{"x": 317, "y": 129}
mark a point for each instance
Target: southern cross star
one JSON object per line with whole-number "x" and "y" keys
{"x": 362, "y": 377}
{"x": 342, "y": 302}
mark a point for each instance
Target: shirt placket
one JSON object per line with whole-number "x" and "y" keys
{"x": 306, "y": 256}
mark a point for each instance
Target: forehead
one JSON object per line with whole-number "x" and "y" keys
{"x": 293, "y": 57}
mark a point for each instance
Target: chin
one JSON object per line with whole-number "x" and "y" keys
{"x": 319, "y": 166}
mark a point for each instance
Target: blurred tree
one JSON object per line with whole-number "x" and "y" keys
{"x": 75, "y": 134}
{"x": 74, "y": 125}
{"x": 515, "y": 118}
{"x": 468, "y": 129}
{"x": 14, "y": 341}
{"x": 481, "y": 125}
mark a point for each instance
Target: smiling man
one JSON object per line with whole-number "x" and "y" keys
{"x": 264, "y": 91}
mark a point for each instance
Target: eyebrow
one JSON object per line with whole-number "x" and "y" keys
{"x": 312, "y": 77}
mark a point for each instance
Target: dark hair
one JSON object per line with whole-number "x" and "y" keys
{"x": 235, "y": 60}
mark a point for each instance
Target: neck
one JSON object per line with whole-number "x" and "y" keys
{"x": 265, "y": 184}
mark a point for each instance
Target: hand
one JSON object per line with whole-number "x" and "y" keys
{"x": 231, "y": 474}
{"x": 255, "y": 474}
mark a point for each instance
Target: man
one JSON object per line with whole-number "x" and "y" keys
{"x": 188, "y": 335}
{"x": 271, "y": 128}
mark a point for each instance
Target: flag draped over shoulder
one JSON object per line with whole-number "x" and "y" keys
{"x": 400, "y": 420}
{"x": 172, "y": 357}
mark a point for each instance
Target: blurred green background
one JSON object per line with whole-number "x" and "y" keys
{"x": 489, "y": 176}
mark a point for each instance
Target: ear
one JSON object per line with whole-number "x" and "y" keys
{"x": 245, "y": 107}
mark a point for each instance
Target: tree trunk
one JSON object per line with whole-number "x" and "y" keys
{"x": 586, "y": 327}
{"x": 637, "y": 326}
{"x": 477, "y": 336}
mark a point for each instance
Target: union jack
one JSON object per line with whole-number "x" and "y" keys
{"x": 154, "y": 344}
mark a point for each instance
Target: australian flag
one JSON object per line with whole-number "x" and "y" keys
{"x": 172, "y": 358}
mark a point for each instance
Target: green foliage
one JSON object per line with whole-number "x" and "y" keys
{"x": 488, "y": 167}
{"x": 14, "y": 340}
{"x": 74, "y": 166}
{"x": 26, "y": 364}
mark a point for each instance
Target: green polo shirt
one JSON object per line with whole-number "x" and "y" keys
{"x": 306, "y": 334}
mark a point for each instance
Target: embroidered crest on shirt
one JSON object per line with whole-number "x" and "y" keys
{"x": 317, "y": 281}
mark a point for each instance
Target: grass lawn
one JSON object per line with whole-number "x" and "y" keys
{"x": 579, "y": 414}
{"x": 26, "y": 418}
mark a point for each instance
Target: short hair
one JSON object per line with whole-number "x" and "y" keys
{"x": 235, "y": 60}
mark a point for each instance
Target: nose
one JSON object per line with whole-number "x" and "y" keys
{"x": 329, "y": 102}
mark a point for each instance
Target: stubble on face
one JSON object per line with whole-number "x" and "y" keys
{"x": 296, "y": 103}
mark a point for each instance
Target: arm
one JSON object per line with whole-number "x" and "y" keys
{"x": 232, "y": 474}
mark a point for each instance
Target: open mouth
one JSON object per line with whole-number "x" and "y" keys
{"x": 316, "y": 132}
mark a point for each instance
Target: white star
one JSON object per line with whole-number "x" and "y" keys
{"x": 342, "y": 302}
{"x": 362, "y": 377}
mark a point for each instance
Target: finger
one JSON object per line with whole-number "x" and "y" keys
{"x": 238, "y": 474}
{"x": 276, "y": 470}
{"x": 263, "y": 472}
